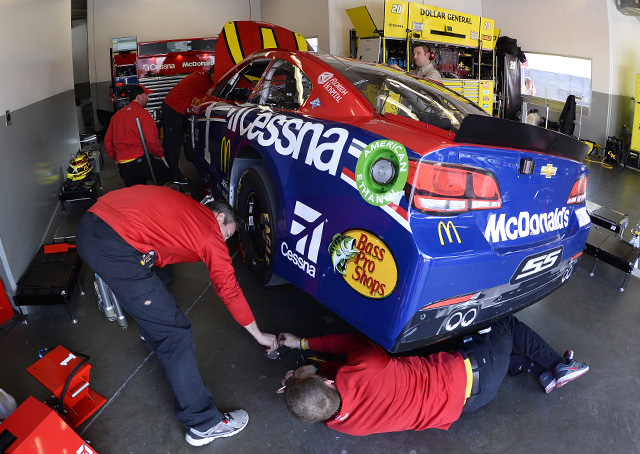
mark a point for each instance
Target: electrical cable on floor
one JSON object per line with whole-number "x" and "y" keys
{"x": 602, "y": 163}
{"x": 598, "y": 147}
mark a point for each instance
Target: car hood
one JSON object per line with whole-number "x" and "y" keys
{"x": 238, "y": 39}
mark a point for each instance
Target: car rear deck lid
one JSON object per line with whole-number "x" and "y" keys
{"x": 485, "y": 130}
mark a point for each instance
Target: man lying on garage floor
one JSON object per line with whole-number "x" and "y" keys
{"x": 373, "y": 392}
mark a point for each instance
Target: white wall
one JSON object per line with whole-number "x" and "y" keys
{"x": 574, "y": 28}
{"x": 624, "y": 48}
{"x": 80, "y": 52}
{"x": 37, "y": 86}
{"x": 36, "y": 55}
{"x": 307, "y": 17}
{"x": 151, "y": 21}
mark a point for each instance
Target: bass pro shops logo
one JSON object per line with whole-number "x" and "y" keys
{"x": 365, "y": 263}
{"x": 309, "y": 236}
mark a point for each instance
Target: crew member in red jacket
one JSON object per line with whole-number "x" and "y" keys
{"x": 373, "y": 392}
{"x": 174, "y": 109}
{"x": 123, "y": 144}
{"x": 124, "y": 237}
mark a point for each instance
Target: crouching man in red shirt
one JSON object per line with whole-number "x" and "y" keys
{"x": 124, "y": 237}
{"x": 373, "y": 392}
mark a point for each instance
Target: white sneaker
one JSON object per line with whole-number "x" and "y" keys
{"x": 232, "y": 423}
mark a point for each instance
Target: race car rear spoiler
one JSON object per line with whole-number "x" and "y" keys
{"x": 485, "y": 130}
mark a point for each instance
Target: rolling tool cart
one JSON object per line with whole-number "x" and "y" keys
{"x": 605, "y": 242}
{"x": 612, "y": 220}
{"x": 50, "y": 279}
{"x": 83, "y": 178}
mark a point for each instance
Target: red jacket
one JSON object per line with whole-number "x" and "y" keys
{"x": 381, "y": 393}
{"x": 122, "y": 141}
{"x": 178, "y": 229}
{"x": 195, "y": 84}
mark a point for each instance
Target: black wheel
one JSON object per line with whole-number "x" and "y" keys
{"x": 257, "y": 210}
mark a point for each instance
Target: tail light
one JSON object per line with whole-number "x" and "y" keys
{"x": 579, "y": 191}
{"x": 448, "y": 188}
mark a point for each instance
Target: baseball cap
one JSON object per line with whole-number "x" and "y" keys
{"x": 135, "y": 90}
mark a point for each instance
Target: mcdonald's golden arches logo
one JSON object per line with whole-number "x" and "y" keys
{"x": 225, "y": 154}
{"x": 448, "y": 227}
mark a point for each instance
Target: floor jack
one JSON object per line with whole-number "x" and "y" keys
{"x": 48, "y": 429}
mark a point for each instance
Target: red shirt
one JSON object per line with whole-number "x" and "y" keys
{"x": 195, "y": 84}
{"x": 122, "y": 141}
{"x": 178, "y": 229}
{"x": 381, "y": 393}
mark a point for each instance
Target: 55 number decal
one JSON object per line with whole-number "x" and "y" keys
{"x": 537, "y": 264}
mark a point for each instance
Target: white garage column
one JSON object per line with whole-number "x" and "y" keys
{"x": 37, "y": 90}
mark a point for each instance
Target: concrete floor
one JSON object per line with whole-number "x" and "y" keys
{"x": 595, "y": 414}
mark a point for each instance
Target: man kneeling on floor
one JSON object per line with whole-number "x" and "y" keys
{"x": 125, "y": 237}
{"x": 373, "y": 392}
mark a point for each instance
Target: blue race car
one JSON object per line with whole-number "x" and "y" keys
{"x": 398, "y": 204}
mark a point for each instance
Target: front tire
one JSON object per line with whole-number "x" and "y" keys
{"x": 257, "y": 209}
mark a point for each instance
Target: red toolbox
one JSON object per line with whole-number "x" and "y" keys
{"x": 35, "y": 428}
{"x": 54, "y": 369}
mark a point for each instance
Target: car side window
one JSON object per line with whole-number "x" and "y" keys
{"x": 284, "y": 86}
{"x": 240, "y": 85}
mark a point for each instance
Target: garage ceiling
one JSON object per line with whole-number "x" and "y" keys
{"x": 78, "y": 9}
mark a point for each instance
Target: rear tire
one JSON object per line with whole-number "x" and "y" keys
{"x": 256, "y": 207}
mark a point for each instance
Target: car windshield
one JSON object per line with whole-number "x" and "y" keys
{"x": 394, "y": 92}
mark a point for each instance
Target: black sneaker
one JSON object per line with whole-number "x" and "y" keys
{"x": 548, "y": 381}
{"x": 232, "y": 423}
{"x": 565, "y": 373}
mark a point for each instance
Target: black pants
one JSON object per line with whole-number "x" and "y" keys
{"x": 173, "y": 127}
{"x": 164, "y": 326}
{"x": 509, "y": 346}
{"x": 137, "y": 172}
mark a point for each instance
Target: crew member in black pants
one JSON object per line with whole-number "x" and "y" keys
{"x": 174, "y": 109}
{"x": 372, "y": 392}
{"x": 123, "y": 143}
{"x": 125, "y": 237}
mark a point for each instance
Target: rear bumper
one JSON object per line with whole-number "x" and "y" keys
{"x": 452, "y": 316}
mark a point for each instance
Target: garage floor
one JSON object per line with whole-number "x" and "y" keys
{"x": 595, "y": 414}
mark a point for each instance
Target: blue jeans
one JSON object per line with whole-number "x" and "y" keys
{"x": 164, "y": 326}
{"x": 510, "y": 346}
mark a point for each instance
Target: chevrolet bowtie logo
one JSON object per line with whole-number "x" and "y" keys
{"x": 548, "y": 170}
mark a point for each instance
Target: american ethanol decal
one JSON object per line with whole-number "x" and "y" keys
{"x": 501, "y": 228}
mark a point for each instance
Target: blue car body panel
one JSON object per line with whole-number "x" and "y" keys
{"x": 442, "y": 275}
